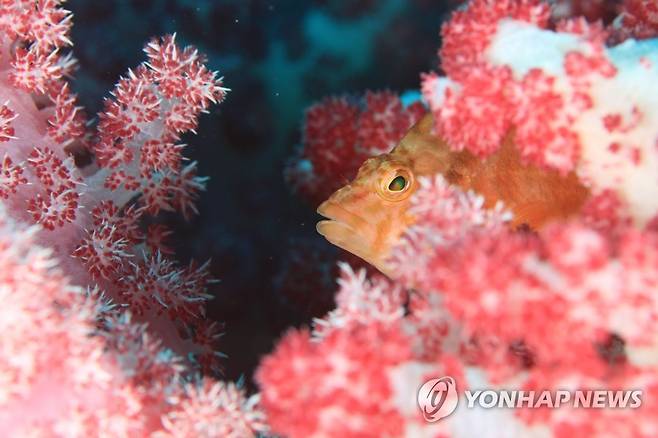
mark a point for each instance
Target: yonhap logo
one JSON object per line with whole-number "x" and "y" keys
{"x": 437, "y": 398}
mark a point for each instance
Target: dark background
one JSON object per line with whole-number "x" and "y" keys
{"x": 278, "y": 57}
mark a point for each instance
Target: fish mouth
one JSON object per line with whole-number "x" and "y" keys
{"x": 346, "y": 230}
{"x": 335, "y": 212}
{"x": 336, "y": 228}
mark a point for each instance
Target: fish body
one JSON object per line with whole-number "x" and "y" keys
{"x": 367, "y": 216}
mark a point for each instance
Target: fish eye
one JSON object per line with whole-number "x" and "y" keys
{"x": 398, "y": 184}
{"x": 395, "y": 183}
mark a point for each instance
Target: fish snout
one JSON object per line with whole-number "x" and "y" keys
{"x": 349, "y": 231}
{"x": 335, "y": 228}
{"x": 334, "y": 211}
{"x": 334, "y": 218}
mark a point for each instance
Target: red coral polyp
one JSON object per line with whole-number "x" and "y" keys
{"x": 478, "y": 116}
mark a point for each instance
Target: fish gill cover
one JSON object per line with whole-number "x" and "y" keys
{"x": 106, "y": 332}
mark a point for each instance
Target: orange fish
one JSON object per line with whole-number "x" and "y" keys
{"x": 368, "y": 215}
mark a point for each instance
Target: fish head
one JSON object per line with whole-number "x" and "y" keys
{"x": 368, "y": 215}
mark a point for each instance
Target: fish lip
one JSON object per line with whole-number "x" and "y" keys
{"x": 335, "y": 217}
{"x": 321, "y": 224}
{"x": 323, "y": 210}
{"x": 337, "y": 232}
{"x": 323, "y": 221}
{"x": 335, "y": 212}
{"x": 344, "y": 236}
{"x": 328, "y": 210}
{"x": 329, "y": 223}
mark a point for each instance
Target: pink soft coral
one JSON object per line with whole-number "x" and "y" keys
{"x": 335, "y": 387}
{"x": 340, "y": 133}
{"x": 91, "y": 213}
{"x": 96, "y": 320}
{"x": 560, "y": 295}
{"x": 555, "y": 90}
{"x": 73, "y": 378}
{"x": 213, "y": 409}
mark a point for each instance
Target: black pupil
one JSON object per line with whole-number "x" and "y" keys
{"x": 397, "y": 184}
